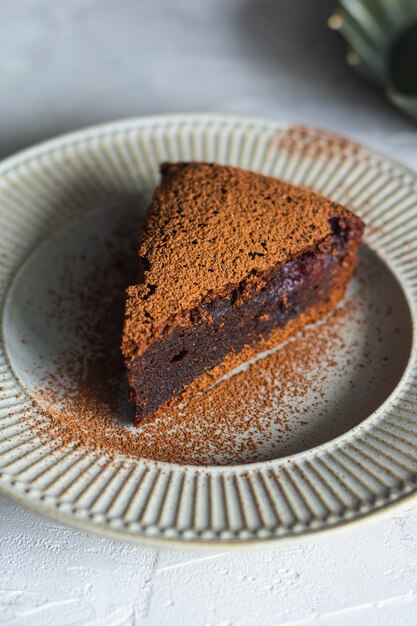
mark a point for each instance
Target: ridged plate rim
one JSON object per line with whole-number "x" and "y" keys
{"x": 155, "y": 534}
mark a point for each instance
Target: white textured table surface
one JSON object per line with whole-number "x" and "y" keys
{"x": 70, "y": 63}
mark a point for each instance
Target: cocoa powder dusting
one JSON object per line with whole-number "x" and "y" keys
{"x": 231, "y": 422}
{"x": 208, "y": 228}
{"x": 247, "y": 417}
{"x": 228, "y": 421}
{"x": 304, "y": 140}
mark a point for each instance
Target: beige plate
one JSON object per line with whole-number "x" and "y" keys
{"x": 356, "y": 451}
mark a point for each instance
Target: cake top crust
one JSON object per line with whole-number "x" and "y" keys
{"x": 208, "y": 228}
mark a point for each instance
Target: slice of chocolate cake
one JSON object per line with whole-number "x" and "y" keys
{"x": 232, "y": 263}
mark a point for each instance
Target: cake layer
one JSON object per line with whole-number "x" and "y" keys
{"x": 208, "y": 227}
{"x": 253, "y": 310}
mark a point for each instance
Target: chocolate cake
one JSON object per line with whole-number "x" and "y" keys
{"x": 231, "y": 263}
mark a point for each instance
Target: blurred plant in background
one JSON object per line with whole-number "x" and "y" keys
{"x": 382, "y": 38}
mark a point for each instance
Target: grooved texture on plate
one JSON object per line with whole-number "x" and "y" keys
{"x": 363, "y": 471}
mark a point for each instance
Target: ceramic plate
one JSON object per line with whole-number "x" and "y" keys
{"x": 353, "y": 453}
